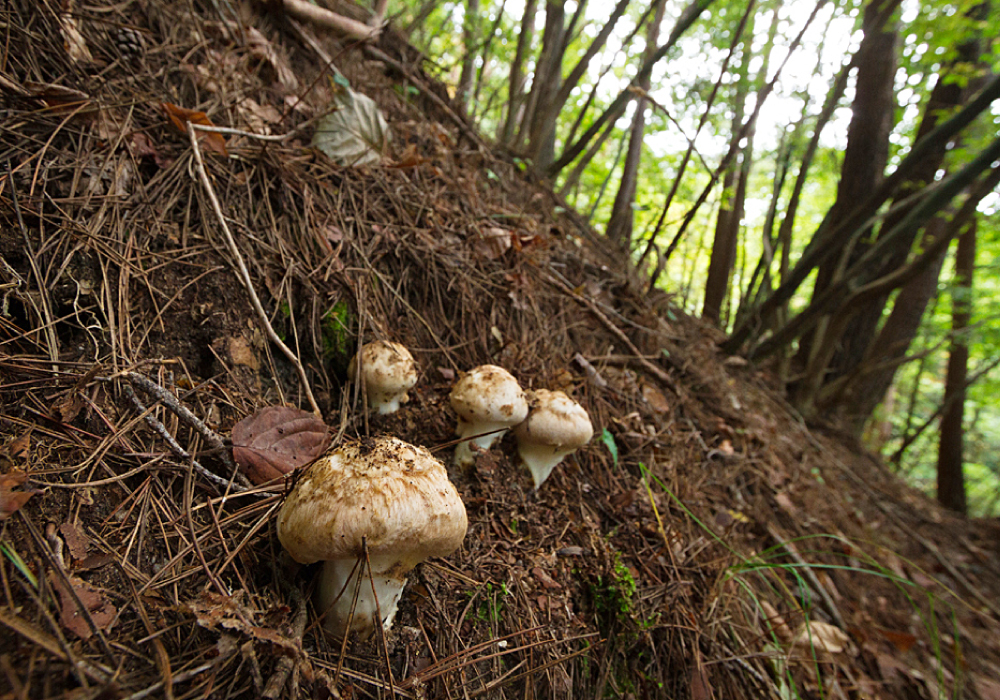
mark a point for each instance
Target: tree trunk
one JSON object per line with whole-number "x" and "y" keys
{"x": 620, "y": 224}
{"x": 470, "y": 34}
{"x": 950, "y": 481}
{"x": 861, "y": 172}
{"x": 515, "y": 99}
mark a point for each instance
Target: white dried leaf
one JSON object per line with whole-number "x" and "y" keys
{"x": 356, "y": 134}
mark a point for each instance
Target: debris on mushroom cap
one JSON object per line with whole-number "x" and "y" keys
{"x": 381, "y": 496}
{"x": 488, "y": 401}
{"x": 556, "y": 426}
{"x": 389, "y": 372}
{"x": 395, "y": 496}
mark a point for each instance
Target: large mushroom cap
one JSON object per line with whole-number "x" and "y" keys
{"x": 388, "y": 371}
{"x": 487, "y": 400}
{"x": 394, "y": 496}
{"x": 556, "y": 426}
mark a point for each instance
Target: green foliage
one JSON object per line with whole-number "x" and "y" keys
{"x": 338, "y": 330}
{"x": 613, "y": 593}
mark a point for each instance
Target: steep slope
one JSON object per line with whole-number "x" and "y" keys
{"x": 681, "y": 554}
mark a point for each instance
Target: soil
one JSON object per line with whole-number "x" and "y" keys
{"x": 705, "y": 544}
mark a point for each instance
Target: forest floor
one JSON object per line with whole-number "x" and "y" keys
{"x": 705, "y": 544}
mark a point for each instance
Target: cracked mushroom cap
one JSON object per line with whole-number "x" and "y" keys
{"x": 393, "y": 495}
{"x": 556, "y": 426}
{"x": 388, "y": 371}
{"x": 487, "y": 400}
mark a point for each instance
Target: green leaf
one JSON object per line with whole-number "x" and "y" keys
{"x": 609, "y": 441}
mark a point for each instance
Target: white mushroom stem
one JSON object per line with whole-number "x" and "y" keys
{"x": 385, "y": 402}
{"x": 335, "y": 594}
{"x": 541, "y": 460}
{"x": 488, "y": 434}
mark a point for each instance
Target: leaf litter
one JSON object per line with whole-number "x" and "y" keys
{"x": 615, "y": 579}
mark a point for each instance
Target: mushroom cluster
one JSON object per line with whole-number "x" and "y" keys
{"x": 372, "y": 509}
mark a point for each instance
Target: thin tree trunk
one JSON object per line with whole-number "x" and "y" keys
{"x": 516, "y": 90}
{"x": 470, "y": 34}
{"x": 950, "y": 479}
{"x": 684, "y": 22}
{"x": 622, "y": 218}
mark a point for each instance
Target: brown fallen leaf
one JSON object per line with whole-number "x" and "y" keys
{"x": 821, "y": 637}
{"x": 75, "y": 539}
{"x": 180, "y": 116}
{"x": 11, "y": 500}
{"x": 276, "y": 441}
{"x": 102, "y": 612}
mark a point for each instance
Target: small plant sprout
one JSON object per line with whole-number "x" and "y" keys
{"x": 488, "y": 401}
{"x": 388, "y": 372}
{"x": 370, "y": 511}
{"x": 556, "y": 427}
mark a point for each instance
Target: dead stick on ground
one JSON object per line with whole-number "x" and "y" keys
{"x": 151, "y": 388}
{"x": 245, "y": 273}
{"x": 226, "y": 484}
{"x": 286, "y": 663}
{"x": 807, "y": 570}
{"x": 618, "y": 333}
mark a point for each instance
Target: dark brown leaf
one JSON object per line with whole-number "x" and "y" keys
{"x": 276, "y": 441}
{"x": 102, "y": 612}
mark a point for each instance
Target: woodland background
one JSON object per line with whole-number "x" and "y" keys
{"x": 817, "y": 179}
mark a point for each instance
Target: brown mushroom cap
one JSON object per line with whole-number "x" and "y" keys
{"x": 388, "y": 371}
{"x": 394, "y": 496}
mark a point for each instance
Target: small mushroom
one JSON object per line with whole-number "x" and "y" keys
{"x": 388, "y": 371}
{"x": 556, "y": 426}
{"x": 488, "y": 401}
{"x": 381, "y": 495}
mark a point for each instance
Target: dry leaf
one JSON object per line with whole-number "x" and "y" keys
{"x": 903, "y": 641}
{"x": 179, "y": 117}
{"x": 75, "y": 539}
{"x": 822, "y": 637}
{"x": 18, "y": 447}
{"x": 73, "y": 41}
{"x": 777, "y": 623}
{"x": 655, "y": 398}
{"x": 492, "y": 242}
{"x": 10, "y": 499}
{"x": 276, "y": 441}
{"x": 102, "y": 612}
{"x": 409, "y": 159}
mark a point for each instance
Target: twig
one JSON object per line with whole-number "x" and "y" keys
{"x": 324, "y": 18}
{"x": 657, "y": 372}
{"x": 244, "y": 273}
{"x": 167, "y": 398}
{"x": 175, "y": 447}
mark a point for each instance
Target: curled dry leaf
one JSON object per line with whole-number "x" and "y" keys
{"x": 276, "y": 441}
{"x": 101, "y": 611}
{"x": 209, "y": 140}
{"x": 12, "y": 499}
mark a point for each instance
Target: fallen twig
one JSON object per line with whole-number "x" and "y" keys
{"x": 244, "y": 273}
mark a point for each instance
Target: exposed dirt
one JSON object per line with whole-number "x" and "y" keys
{"x": 680, "y": 554}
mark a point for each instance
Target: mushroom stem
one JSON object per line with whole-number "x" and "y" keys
{"x": 541, "y": 460}
{"x": 335, "y": 594}
{"x": 488, "y": 433}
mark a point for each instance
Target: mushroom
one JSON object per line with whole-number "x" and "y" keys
{"x": 381, "y": 495}
{"x": 556, "y": 426}
{"x": 488, "y": 401}
{"x": 388, "y": 371}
